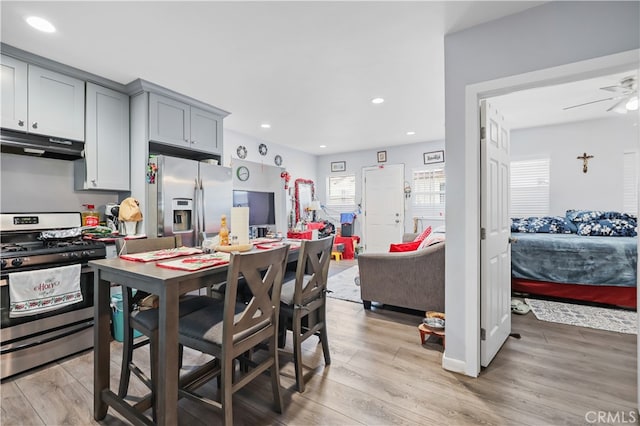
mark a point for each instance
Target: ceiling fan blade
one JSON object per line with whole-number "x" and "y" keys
{"x": 589, "y": 103}
{"x": 614, "y": 89}
{"x": 617, "y": 104}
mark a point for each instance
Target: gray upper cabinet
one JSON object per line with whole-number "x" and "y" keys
{"x": 49, "y": 103}
{"x": 106, "y": 155}
{"x": 56, "y": 104}
{"x": 169, "y": 121}
{"x": 179, "y": 124}
{"x": 14, "y": 93}
{"x": 206, "y": 130}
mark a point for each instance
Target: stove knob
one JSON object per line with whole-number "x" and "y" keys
{"x": 4, "y": 263}
{"x": 17, "y": 261}
{"x": 74, "y": 255}
{"x": 85, "y": 254}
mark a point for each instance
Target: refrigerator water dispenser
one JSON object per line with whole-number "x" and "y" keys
{"x": 182, "y": 214}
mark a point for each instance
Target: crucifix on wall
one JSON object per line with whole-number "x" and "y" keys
{"x": 585, "y": 161}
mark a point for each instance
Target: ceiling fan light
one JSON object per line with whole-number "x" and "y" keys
{"x": 632, "y": 105}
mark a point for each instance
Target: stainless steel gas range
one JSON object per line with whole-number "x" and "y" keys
{"x": 37, "y": 251}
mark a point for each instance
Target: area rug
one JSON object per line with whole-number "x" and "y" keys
{"x": 619, "y": 321}
{"x": 343, "y": 286}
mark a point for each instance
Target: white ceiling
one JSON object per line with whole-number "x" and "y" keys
{"x": 309, "y": 69}
{"x": 545, "y": 105}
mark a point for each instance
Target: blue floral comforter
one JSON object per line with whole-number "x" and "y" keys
{"x": 576, "y": 259}
{"x": 581, "y": 222}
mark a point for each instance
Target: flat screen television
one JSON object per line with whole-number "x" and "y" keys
{"x": 261, "y": 206}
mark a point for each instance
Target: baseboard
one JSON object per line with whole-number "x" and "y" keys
{"x": 454, "y": 365}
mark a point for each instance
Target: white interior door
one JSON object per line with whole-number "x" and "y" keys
{"x": 383, "y": 201}
{"x": 495, "y": 251}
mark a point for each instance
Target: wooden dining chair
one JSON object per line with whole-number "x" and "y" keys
{"x": 235, "y": 330}
{"x": 303, "y": 302}
{"x": 146, "y": 321}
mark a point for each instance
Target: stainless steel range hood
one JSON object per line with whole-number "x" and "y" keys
{"x": 40, "y": 146}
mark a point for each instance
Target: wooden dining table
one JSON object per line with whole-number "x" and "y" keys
{"x": 168, "y": 285}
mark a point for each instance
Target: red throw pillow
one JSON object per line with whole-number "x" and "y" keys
{"x": 412, "y": 246}
{"x": 424, "y": 234}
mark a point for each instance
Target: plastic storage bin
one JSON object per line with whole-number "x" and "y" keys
{"x": 118, "y": 318}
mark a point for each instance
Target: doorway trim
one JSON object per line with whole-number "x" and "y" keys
{"x": 590, "y": 68}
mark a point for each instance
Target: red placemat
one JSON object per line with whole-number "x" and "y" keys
{"x": 194, "y": 263}
{"x": 151, "y": 256}
{"x": 267, "y": 246}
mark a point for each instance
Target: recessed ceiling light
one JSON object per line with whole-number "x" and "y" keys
{"x": 265, "y": 125}
{"x": 411, "y": 133}
{"x": 377, "y": 100}
{"x": 41, "y": 24}
{"x": 632, "y": 105}
{"x": 323, "y": 146}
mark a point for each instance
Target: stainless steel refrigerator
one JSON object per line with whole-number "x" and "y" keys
{"x": 190, "y": 196}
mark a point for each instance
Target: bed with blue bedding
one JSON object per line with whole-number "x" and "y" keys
{"x": 585, "y": 255}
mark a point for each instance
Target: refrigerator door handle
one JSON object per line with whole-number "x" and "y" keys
{"x": 202, "y": 215}
{"x": 196, "y": 212}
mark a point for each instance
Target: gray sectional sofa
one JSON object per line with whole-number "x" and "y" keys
{"x": 413, "y": 280}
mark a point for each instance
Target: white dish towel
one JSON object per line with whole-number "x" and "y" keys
{"x": 35, "y": 292}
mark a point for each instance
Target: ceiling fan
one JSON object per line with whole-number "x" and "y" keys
{"x": 625, "y": 95}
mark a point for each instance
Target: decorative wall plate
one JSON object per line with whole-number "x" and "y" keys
{"x": 262, "y": 149}
{"x": 278, "y": 160}
{"x": 242, "y": 152}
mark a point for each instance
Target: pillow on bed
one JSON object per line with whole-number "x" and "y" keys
{"x": 608, "y": 227}
{"x": 577, "y": 216}
{"x": 596, "y": 222}
{"x": 546, "y": 225}
{"x": 581, "y": 216}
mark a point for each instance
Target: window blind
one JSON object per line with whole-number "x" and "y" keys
{"x": 630, "y": 183}
{"x": 342, "y": 192}
{"x": 429, "y": 189}
{"x": 530, "y": 187}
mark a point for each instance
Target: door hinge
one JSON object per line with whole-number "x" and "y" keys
{"x": 483, "y": 334}
{"x": 483, "y": 132}
{"x": 483, "y": 234}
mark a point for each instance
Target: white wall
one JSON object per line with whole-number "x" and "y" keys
{"x": 264, "y": 178}
{"x": 606, "y": 139}
{"x": 550, "y": 35}
{"x": 410, "y": 155}
{"x": 33, "y": 184}
{"x": 299, "y": 165}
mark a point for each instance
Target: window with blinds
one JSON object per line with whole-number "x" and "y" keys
{"x": 530, "y": 188}
{"x": 342, "y": 192}
{"x": 429, "y": 192}
{"x": 630, "y": 183}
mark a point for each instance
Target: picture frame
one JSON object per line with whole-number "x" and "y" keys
{"x": 433, "y": 157}
{"x": 382, "y": 156}
{"x": 338, "y": 166}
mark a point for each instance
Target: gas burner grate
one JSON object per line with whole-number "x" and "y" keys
{"x": 69, "y": 243}
{"x": 10, "y": 248}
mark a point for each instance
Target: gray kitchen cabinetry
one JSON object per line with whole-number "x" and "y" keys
{"x": 40, "y": 101}
{"x": 106, "y": 154}
{"x": 14, "y": 93}
{"x": 183, "y": 125}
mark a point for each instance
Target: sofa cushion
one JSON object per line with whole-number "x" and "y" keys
{"x": 431, "y": 240}
{"x": 424, "y": 234}
{"x": 396, "y": 248}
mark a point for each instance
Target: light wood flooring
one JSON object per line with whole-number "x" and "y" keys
{"x": 380, "y": 375}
